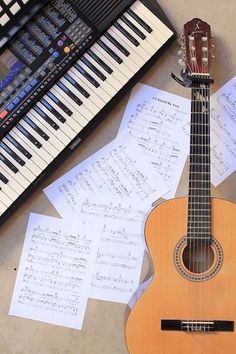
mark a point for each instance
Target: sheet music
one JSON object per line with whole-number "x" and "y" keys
{"x": 159, "y": 121}
{"x": 223, "y": 132}
{"x": 119, "y": 261}
{"x": 120, "y": 169}
{"x": 139, "y": 292}
{"x": 54, "y": 276}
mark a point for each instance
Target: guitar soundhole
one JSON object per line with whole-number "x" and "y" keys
{"x": 198, "y": 257}
{"x": 198, "y": 261}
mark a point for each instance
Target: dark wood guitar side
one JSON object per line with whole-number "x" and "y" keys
{"x": 190, "y": 306}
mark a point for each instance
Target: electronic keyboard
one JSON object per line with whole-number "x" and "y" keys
{"x": 61, "y": 74}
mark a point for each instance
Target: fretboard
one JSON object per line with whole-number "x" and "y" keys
{"x": 199, "y": 200}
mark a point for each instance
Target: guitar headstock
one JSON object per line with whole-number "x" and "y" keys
{"x": 196, "y": 47}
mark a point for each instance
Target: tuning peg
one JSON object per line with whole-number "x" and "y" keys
{"x": 213, "y": 57}
{"x": 180, "y": 53}
{"x": 182, "y": 63}
{"x": 212, "y": 46}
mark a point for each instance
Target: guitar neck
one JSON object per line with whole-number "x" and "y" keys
{"x": 199, "y": 197}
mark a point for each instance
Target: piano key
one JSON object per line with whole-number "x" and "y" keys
{"x": 133, "y": 27}
{"x": 88, "y": 108}
{"x": 90, "y": 88}
{"x": 29, "y": 163}
{"x": 116, "y": 57}
{"x": 23, "y": 170}
{"x": 68, "y": 92}
{"x": 126, "y": 33}
{"x": 5, "y": 199}
{"x": 9, "y": 191}
{"x": 139, "y": 20}
{"x": 135, "y": 55}
{"x": 15, "y": 177}
{"x": 99, "y": 61}
{"x": 29, "y": 136}
{"x": 151, "y": 37}
{"x": 124, "y": 72}
{"x": 111, "y": 79}
{"x": 12, "y": 153}
{"x": 6, "y": 161}
{"x": 116, "y": 74}
{"x": 19, "y": 146}
{"x": 84, "y": 72}
{"x": 66, "y": 127}
{"x": 77, "y": 121}
{"x": 37, "y": 155}
{"x": 49, "y": 150}
{"x": 3, "y": 178}
{"x": 149, "y": 47}
{"x": 88, "y": 63}
{"x": 56, "y": 138}
{"x": 76, "y": 85}
{"x": 13, "y": 182}
{"x": 129, "y": 65}
{"x": 104, "y": 86}
{"x": 36, "y": 128}
{"x": 117, "y": 44}
{"x": 54, "y": 112}
{"x": 151, "y": 18}
{"x": 59, "y": 103}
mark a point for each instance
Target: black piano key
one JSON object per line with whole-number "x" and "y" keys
{"x": 110, "y": 51}
{"x": 46, "y": 117}
{"x": 86, "y": 75}
{"x": 69, "y": 93}
{"x": 127, "y": 34}
{"x": 117, "y": 44}
{"x": 26, "y": 153}
{"x": 133, "y": 27}
{"x": 93, "y": 68}
{"x": 59, "y": 103}
{"x": 77, "y": 86}
{"x": 29, "y": 136}
{"x": 100, "y": 61}
{"x": 8, "y": 163}
{"x": 140, "y": 21}
{"x": 12, "y": 153}
{"x": 36, "y": 128}
{"x": 3, "y": 178}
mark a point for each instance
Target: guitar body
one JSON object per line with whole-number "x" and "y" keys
{"x": 172, "y": 295}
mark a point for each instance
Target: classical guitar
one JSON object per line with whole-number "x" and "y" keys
{"x": 190, "y": 306}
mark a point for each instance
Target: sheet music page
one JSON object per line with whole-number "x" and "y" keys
{"x": 54, "y": 276}
{"x": 159, "y": 121}
{"x": 223, "y": 132}
{"x": 119, "y": 261}
{"x": 120, "y": 169}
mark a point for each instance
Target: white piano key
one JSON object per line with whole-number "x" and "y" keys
{"x": 67, "y": 132}
{"x": 5, "y": 199}
{"x": 14, "y": 183}
{"x": 88, "y": 109}
{"x": 3, "y": 207}
{"x": 135, "y": 54}
{"x": 19, "y": 177}
{"x": 108, "y": 91}
{"x": 28, "y": 162}
{"x": 53, "y": 136}
{"x": 49, "y": 151}
{"x": 110, "y": 78}
{"x": 52, "y": 150}
{"x": 9, "y": 191}
{"x": 95, "y": 93}
{"x": 148, "y": 47}
{"x": 151, "y": 18}
{"x": 22, "y": 169}
{"x": 67, "y": 127}
{"x": 77, "y": 120}
{"x": 37, "y": 157}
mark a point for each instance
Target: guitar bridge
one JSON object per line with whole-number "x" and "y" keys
{"x": 197, "y": 326}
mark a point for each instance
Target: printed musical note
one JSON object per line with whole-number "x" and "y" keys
{"x": 223, "y": 132}
{"x": 120, "y": 169}
{"x": 159, "y": 122}
{"x": 55, "y": 272}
